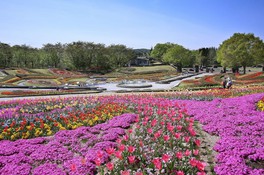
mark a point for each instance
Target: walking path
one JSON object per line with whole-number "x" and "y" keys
{"x": 112, "y": 88}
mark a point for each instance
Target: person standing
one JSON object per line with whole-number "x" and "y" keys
{"x": 229, "y": 83}
{"x": 224, "y": 82}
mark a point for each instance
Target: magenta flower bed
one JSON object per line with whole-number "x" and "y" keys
{"x": 241, "y": 130}
{"x": 67, "y": 152}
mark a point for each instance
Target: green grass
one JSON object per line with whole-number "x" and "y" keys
{"x": 79, "y": 79}
{"x": 11, "y": 72}
{"x": 2, "y": 74}
{"x": 42, "y": 71}
{"x": 165, "y": 68}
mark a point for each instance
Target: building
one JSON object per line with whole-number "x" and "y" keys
{"x": 140, "y": 61}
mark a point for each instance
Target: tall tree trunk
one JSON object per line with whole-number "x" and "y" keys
{"x": 244, "y": 68}
{"x": 179, "y": 68}
{"x": 224, "y": 70}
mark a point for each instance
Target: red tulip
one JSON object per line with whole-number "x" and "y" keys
{"x": 110, "y": 166}
{"x": 196, "y": 152}
{"x": 193, "y": 162}
{"x": 125, "y": 173}
{"x": 179, "y": 127}
{"x": 131, "y": 149}
{"x": 118, "y": 154}
{"x": 131, "y": 159}
{"x": 179, "y": 155}
{"x": 165, "y": 157}
{"x": 100, "y": 154}
{"x": 98, "y": 161}
{"x": 121, "y": 147}
{"x": 149, "y": 130}
{"x": 187, "y": 152}
{"x": 197, "y": 142}
{"x": 170, "y": 127}
{"x": 157, "y": 163}
{"x": 153, "y": 122}
{"x": 110, "y": 151}
{"x": 166, "y": 137}
{"x": 177, "y": 135}
{"x": 125, "y": 137}
{"x": 187, "y": 139}
{"x": 200, "y": 165}
{"x": 180, "y": 173}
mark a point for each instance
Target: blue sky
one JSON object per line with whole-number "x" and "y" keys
{"x": 135, "y": 23}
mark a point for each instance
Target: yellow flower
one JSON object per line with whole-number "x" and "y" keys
{"x": 46, "y": 126}
{"x": 95, "y": 119}
{"x": 13, "y": 137}
{"x": 62, "y": 128}
{"x": 74, "y": 126}
{"x": 260, "y": 105}
{"x": 90, "y": 122}
{"x": 69, "y": 126}
{"x": 49, "y": 132}
{"x": 26, "y": 135}
{"x": 38, "y": 132}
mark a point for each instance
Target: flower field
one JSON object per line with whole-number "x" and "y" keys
{"x": 133, "y": 134}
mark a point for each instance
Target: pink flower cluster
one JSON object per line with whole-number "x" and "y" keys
{"x": 73, "y": 152}
{"x": 241, "y": 129}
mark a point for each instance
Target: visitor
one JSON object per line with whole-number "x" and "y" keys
{"x": 224, "y": 82}
{"x": 229, "y": 83}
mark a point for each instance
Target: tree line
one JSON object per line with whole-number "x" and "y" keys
{"x": 180, "y": 57}
{"x": 76, "y": 55}
{"x": 238, "y": 50}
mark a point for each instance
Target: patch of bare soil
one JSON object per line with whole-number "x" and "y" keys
{"x": 258, "y": 164}
{"x": 207, "y": 153}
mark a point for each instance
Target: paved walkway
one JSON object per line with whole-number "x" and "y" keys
{"x": 111, "y": 88}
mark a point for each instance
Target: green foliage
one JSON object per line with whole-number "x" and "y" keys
{"x": 5, "y": 55}
{"x": 178, "y": 55}
{"x": 161, "y": 49}
{"x": 142, "y": 52}
{"x": 206, "y": 56}
{"x": 53, "y": 54}
{"x": 119, "y": 55}
{"x": 241, "y": 50}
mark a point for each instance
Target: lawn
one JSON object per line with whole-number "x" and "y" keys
{"x": 162, "y": 68}
{"x": 42, "y": 71}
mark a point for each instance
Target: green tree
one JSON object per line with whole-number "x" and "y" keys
{"x": 5, "y": 55}
{"x": 160, "y": 50}
{"x": 80, "y": 54}
{"x": 206, "y": 57}
{"x": 178, "y": 56}
{"x": 239, "y": 50}
{"x": 53, "y": 54}
{"x": 100, "y": 60}
{"x": 22, "y": 55}
{"x": 119, "y": 55}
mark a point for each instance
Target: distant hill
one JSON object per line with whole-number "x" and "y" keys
{"x": 142, "y": 52}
